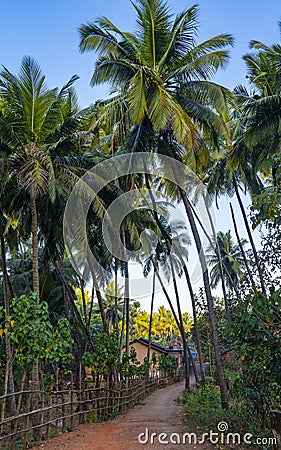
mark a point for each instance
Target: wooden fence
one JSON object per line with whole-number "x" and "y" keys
{"x": 61, "y": 410}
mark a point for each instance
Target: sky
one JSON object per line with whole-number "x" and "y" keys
{"x": 48, "y": 32}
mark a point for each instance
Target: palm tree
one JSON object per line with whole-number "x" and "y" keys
{"x": 158, "y": 73}
{"x": 261, "y": 109}
{"x": 232, "y": 258}
{"x": 233, "y": 169}
{"x": 161, "y": 78}
{"x": 36, "y": 123}
{"x": 180, "y": 254}
{"x": 113, "y": 305}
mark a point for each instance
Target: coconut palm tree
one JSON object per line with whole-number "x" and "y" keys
{"x": 262, "y": 110}
{"x": 234, "y": 169}
{"x": 113, "y": 306}
{"x": 162, "y": 78}
{"x": 156, "y": 71}
{"x": 232, "y": 258}
{"x": 36, "y": 123}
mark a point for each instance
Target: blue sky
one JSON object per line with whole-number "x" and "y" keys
{"x": 48, "y": 32}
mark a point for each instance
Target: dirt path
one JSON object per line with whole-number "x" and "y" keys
{"x": 159, "y": 414}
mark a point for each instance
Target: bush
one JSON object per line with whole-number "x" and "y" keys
{"x": 202, "y": 408}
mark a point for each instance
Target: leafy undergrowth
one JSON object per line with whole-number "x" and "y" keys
{"x": 202, "y": 410}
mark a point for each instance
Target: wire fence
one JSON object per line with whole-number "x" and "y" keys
{"x": 62, "y": 410}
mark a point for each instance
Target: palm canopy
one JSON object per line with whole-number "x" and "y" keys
{"x": 232, "y": 259}
{"x": 159, "y": 72}
{"x": 261, "y": 109}
{"x": 35, "y": 121}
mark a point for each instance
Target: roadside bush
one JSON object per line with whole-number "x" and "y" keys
{"x": 202, "y": 408}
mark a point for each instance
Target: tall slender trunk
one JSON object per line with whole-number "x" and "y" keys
{"x": 76, "y": 315}
{"x": 207, "y": 287}
{"x": 186, "y": 351}
{"x": 168, "y": 242}
{"x": 187, "y": 381}
{"x": 116, "y": 324}
{"x": 218, "y": 252}
{"x": 87, "y": 325}
{"x": 249, "y": 233}
{"x": 74, "y": 330}
{"x": 122, "y": 331}
{"x": 126, "y": 292}
{"x": 151, "y": 315}
{"x": 102, "y": 311}
{"x": 210, "y": 303}
{"x": 127, "y": 308}
{"x": 91, "y": 305}
{"x": 98, "y": 294}
{"x": 195, "y": 323}
{"x": 35, "y": 381}
{"x": 241, "y": 248}
{"x": 34, "y": 231}
{"x": 9, "y": 379}
{"x": 215, "y": 249}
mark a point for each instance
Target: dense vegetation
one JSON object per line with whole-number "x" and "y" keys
{"x": 163, "y": 102}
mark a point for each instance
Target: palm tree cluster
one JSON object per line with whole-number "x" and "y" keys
{"x": 163, "y": 101}
{"x": 164, "y": 327}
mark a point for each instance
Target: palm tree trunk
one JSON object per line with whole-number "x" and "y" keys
{"x": 216, "y": 251}
{"x": 181, "y": 328}
{"x": 76, "y": 315}
{"x": 9, "y": 379}
{"x": 34, "y": 231}
{"x": 126, "y": 293}
{"x": 98, "y": 294}
{"x": 127, "y": 307}
{"x": 187, "y": 381}
{"x": 116, "y": 324}
{"x": 74, "y": 330}
{"x": 249, "y": 233}
{"x": 151, "y": 314}
{"x": 242, "y": 249}
{"x": 87, "y": 325}
{"x": 91, "y": 305}
{"x": 102, "y": 311}
{"x": 207, "y": 287}
{"x": 35, "y": 381}
{"x": 168, "y": 244}
{"x": 195, "y": 323}
{"x": 210, "y": 304}
{"x": 122, "y": 332}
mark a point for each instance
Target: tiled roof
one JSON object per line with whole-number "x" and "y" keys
{"x": 161, "y": 348}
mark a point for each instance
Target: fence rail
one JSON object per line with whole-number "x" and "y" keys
{"x": 62, "y": 410}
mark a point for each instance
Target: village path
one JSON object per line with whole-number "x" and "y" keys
{"x": 159, "y": 413}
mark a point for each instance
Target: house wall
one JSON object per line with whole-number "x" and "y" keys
{"x": 141, "y": 351}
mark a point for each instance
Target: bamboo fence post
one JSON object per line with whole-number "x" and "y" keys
{"x": 49, "y": 402}
{"x": 80, "y": 391}
{"x": 43, "y": 401}
{"x": 71, "y": 402}
{"x": 57, "y": 397}
{"x": 63, "y": 401}
{"x": 28, "y": 407}
{"x": 104, "y": 401}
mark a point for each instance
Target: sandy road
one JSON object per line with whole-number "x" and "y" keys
{"x": 134, "y": 430}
